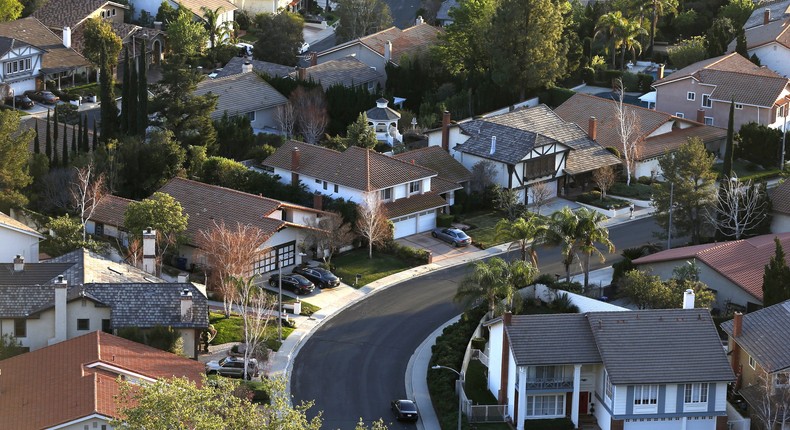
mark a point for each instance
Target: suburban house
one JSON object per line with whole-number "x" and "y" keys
{"x": 347, "y": 71}
{"x": 384, "y": 122}
{"x": 53, "y": 61}
{"x": 647, "y": 369}
{"x": 74, "y": 384}
{"x": 780, "y": 208}
{"x": 443, "y": 17}
{"x": 236, "y": 66}
{"x": 245, "y": 94}
{"x": 760, "y": 356}
{"x": 387, "y": 46}
{"x": 657, "y": 132}
{"x": 405, "y": 189}
{"x": 19, "y": 241}
{"x": 767, "y": 36}
{"x": 760, "y": 94}
{"x": 225, "y": 7}
{"x": 526, "y": 146}
{"x": 733, "y": 270}
{"x": 21, "y": 65}
{"x": 45, "y": 303}
{"x": 255, "y": 7}
{"x": 107, "y": 219}
{"x": 451, "y": 175}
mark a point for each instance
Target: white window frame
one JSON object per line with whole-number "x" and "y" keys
{"x": 739, "y": 106}
{"x": 607, "y": 384}
{"x": 710, "y": 102}
{"x": 752, "y": 362}
{"x": 782, "y": 379}
{"x": 645, "y": 399}
{"x": 680, "y": 114}
{"x": 415, "y": 187}
{"x": 559, "y": 405}
{"x": 695, "y": 397}
{"x": 691, "y": 96}
{"x": 708, "y": 120}
{"x": 386, "y": 194}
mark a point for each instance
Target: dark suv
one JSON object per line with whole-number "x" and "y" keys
{"x": 296, "y": 283}
{"x": 321, "y": 277}
{"x": 233, "y": 367}
{"x": 43, "y": 97}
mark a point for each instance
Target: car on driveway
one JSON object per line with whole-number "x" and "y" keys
{"x": 296, "y": 283}
{"x": 452, "y": 236}
{"x": 43, "y": 97}
{"x": 321, "y": 277}
{"x": 20, "y": 102}
{"x": 405, "y": 410}
{"x": 232, "y": 367}
{"x": 304, "y": 48}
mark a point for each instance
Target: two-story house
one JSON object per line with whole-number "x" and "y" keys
{"x": 20, "y": 65}
{"x": 767, "y": 36}
{"x": 760, "y": 357}
{"x": 657, "y": 132}
{"x": 525, "y": 147}
{"x": 347, "y": 71}
{"x": 759, "y": 93}
{"x": 225, "y": 9}
{"x": 647, "y": 369}
{"x": 404, "y": 188}
{"x": 19, "y": 241}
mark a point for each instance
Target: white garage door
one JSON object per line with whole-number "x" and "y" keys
{"x": 427, "y": 221}
{"x": 694, "y": 423}
{"x": 405, "y": 226}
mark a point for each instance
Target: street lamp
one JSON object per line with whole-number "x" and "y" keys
{"x": 458, "y": 388}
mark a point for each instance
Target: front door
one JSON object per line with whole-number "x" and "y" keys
{"x": 584, "y": 400}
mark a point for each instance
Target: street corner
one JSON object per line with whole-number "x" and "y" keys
{"x": 439, "y": 250}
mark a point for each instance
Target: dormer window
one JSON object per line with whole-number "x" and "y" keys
{"x": 386, "y": 194}
{"x": 414, "y": 187}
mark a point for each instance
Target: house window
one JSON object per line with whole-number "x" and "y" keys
{"x": 106, "y": 326}
{"x": 20, "y": 327}
{"x": 102, "y": 14}
{"x": 680, "y": 114}
{"x": 98, "y": 230}
{"x": 317, "y": 181}
{"x": 645, "y": 395}
{"x": 752, "y": 362}
{"x": 113, "y": 11}
{"x": 708, "y": 120}
{"x": 738, "y": 106}
{"x": 552, "y": 405}
{"x": 83, "y": 324}
{"x": 691, "y": 96}
{"x": 284, "y": 254}
{"x": 326, "y": 185}
{"x": 782, "y": 379}
{"x": 538, "y": 167}
{"x": 781, "y": 111}
{"x": 607, "y": 384}
{"x": 250, "y": 116}
{"x": 386, "y": 194}
{"x": 706, "y": 101}
{"x": 337, "y": 188}
{"x": 545, "y": 373}
{"x": 414, "y": 187}
{"x": 17, "y": 66}
{"x": 696, "y": 393}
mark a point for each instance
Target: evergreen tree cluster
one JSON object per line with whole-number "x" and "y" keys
{"x": 776, "y": 279}
{"x": 55, "y": 137}
{"x": 134, "y": 103}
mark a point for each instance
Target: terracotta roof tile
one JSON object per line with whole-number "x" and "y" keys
{"x": 410, "y": 41}
{"x": 780, "y": 198}
{"x": 57, "y": 57}
{"x": 54, "y": 385}
{"x": 416, "y": 203}
{"x": 438, "y": 160}
{"x": 111, "y": 210}
{"x": 69, "y": 13}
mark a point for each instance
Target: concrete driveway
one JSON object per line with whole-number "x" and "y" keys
{"x": 438, "y": 248}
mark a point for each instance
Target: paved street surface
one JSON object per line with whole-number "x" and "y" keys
{"x": 404, "y": 12}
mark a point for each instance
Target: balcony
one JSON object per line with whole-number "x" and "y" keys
{"x": 549, "y": 383}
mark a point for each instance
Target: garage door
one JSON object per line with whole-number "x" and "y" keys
{"x": 427, "y": 221}
{"x": 405, "y": 226}
{"x": 694, "y": 423}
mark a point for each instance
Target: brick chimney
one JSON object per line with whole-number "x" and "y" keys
{"x": 186, "y": 305}
{"x": 296, "y": 157}
{"x": 701, "y": 116}
{"x": 505, "y": 365}
{"x": 61, "y": 318}
{"x": 419, "y": 20}
{"x": 387, "y": 51}
{"x": 19, "y": 264}
{"x": 766, "y": 16}
{"x": 446, "y": 131}
{"x": 149, "y": 250}
{"x": 737, "y": 327}
{"x": 313, "y": 58}
{"x": 661, "y": 71}
{"x": 318, "y": 201}
{"x": 301, "y": 73}
{"x": 592, "y": 128}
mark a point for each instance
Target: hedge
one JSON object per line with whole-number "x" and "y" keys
{"x": 444, "y": 220}
{"x": 635, "y": 191}
{"x": 593, "y": 198}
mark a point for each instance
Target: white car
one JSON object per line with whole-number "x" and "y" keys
{"x": 245, "y": 49}
{"x": 233, "y": 367}
{"x": 305, "y": 47}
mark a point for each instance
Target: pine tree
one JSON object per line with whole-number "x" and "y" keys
{"x": 776, "y": 279}
{"x": 55, "y": 127}
{"x": 36, "y": 144}
{"x": 85, "y": 142}
{"x": 74, "y": 147}
{"x": 726, "y": 171}
{"x": 142, "y": 92}
{"x": 125, "y": 91}
{"x": 48, "y": 141}
{"x": 95, "y": 136}
{"x": 131, "y": 118}
{"x": 740, "y": 44}
{"x": 65, "y": 146}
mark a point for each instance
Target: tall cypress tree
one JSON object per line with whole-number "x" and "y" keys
{"x": 142, "y": 92}
{"x": 776, "y": 279}
{"x": 55, "y": 127}
{"x": 36, "y": 144}
{"x": 48, "y": 140}
{"x": 65, "y": 146}
{"x": 726, "y": 171}
{"x": 85, "y": 142}
{"x": 131, "y": 119}
{"x": 80, "y": 145}
{"x": 74, "y": 147}
{"x": 125, "y": 93}
{"x": 95, "y": 136}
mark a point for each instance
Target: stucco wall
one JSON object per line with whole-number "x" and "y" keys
{"x": 17, "y": 243}
{"x": 774, "y": 56}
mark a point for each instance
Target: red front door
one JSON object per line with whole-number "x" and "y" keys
{"x": 584, "y": 400}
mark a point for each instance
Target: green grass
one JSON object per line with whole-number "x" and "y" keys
{"x": 351, "y": 263}
{"x": 249, "y": 37}
{"x": 307, "y": 308}
{"x": 476, "y": 385}
{"x": 745, "y": 170}
{"x": 635, "y": 191}
{"x": 483, "y": 227}
{"x": 230, "y": 330}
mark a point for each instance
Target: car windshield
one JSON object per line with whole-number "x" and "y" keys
{"x": 407, "y": 406}
{"x": 461, "y": 235}
{"x": 223, "y": 361}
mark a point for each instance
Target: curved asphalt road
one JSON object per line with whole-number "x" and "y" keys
{"x": 355, "y": 362}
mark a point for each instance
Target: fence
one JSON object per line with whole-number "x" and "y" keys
{"x": 479, "y": 413}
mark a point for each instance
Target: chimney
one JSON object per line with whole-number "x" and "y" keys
{"x": 301, "y": 73}
{"x": 296, "y": 156}
{"x": 493, "y": 145}
{"x": 737, "y": 324}
{"x": 149, "y": 251}
{"x": 507, "y": 317}
{"x": 661, "y": 71}
{"x": 701, "y": 116}
{"x": 387, "y": 51}
{"x": 246, "y": 67}
{"x": 67, "y": 37}
{"x": 446, "y": 131}
{"x": 735, "y": 355}
{"x": 419, "y": 20}
{"x": 157, "y": 25}
{"x": 313, "y": 59}
{"x": 592, "y": 128}
{"x": 318, "y": 201}
{"x": 19, "y": 263}
{"x": 766, "y": 16}
{"x": 61, "y": 320}
{"x": 186, "y": 305}
{"x": 688, "y": 299}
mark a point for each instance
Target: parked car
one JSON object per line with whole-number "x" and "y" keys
{"x": 405, "y": 410}
{"x": 20, "y": 102}
{"x": 452, "y": 236}
{"x": 304, "y": 48}
{"x": 296, "y": 283}
{"x": 232, "y": 367}
{"x": 321, "y": 277}
{"x": 245, "y": 49}
{"x": 43, "y": 97}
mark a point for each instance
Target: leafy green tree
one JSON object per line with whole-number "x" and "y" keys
{"x": 738, "y": 11}
{"x": 464, "y": 44}
{"x": 611, "y": 25}
{"x": 217, "y": 32}
{"x": 530, "y": 32}
{"x": 224, "y": 172}
{"x": 759, "y": 144}
{"x": 688, "y": 51}
{"x": 776, "y": 279}
{"x": 741, "y": 46}
{"x": 186, "y": 37}
{"x": 726, "y": 170}
{"x": 279, "y": 37}
{"x": 563, "y": 231}
{"x": 14, "y": 174}
{"x": 147, "y": 166}
{"x": 361, "y": 134}
{"x": 10, "y": 10}
{"x": 526, "y": 233}
{"x": 720, "y": 34}
{"x": 496, "y": 282}
{"x": 101, "y": 47}
{"x": 67, "y": 235}
{"x": 166, "y": 13}
{"x": 10, "y": 346}
{"x": 591, "y": 234}
{"x": 359, "y": 18}
{"x": 658, "y": 9}
{"x": 647, "y": 291}
{"x": 234, "y": 136}
{"x": 162, "y": 213}
{"x": 690, "y": 180}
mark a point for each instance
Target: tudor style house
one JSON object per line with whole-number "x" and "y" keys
{"x": 21, "y": 65}
{"x": 760, "y": 94}
{"x": 639, "y": 370}
{"x": 526, "y": 146}
{"x": 405, "y": 189}
{"x": 767, "y": 37}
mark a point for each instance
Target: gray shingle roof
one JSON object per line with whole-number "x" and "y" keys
{"x": 240, "y": 94}
{"x": 444, "y": 10}
{"x": 234, "y": 68}
{"x": 438, "y": 160}
{"x": 61, "y": 13}
{"x": 33, "y": 273}
{"x": 88, "y": 267}
{"x": 552, "y": 340}
{"x": 764, "y": 335}
{"x": 660, "y": 346}
{"x": 778, "y": 11}
{"x": 346, "y": 71}
{"x": 8, "y": 43}
{"x": 385, "y": 113}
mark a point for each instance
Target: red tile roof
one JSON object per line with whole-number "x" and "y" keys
{"x": 741, "y": 261}
{"x": 409, "y": 41}
{"x": 54, "y": 385}
{"x": 111, "y": 210}
{"x": 438, "y": 160}
{"x": 780, "y": 198}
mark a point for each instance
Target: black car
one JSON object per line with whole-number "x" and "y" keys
{"x": 321, "y": 277}
{"x": 43, "y": 97}
{"x": 296, "y": 283}
{"x": 405, "y": 410}
{"x": 20, "y": 102}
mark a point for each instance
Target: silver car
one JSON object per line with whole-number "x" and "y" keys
{"x": 452, "y": 236}
{"x": 232, "y": 367}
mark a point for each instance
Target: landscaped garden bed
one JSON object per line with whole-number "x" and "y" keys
{"x": 636, "y": 190}
{"x": 593, "y": 198}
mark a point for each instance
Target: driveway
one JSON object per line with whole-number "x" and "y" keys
{"x": 439, "y": 249}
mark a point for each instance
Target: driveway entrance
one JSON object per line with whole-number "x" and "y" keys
{"x": 438, "y": 248}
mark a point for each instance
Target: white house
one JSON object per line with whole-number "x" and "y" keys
{"x": 767, "y": 37}
{"x": 21, "y": 65}
{"x": 640, "y": 370}
{"x": 780, "y": 208}
{"x": 18, "y": 240}
{"x": 226, "y": 8}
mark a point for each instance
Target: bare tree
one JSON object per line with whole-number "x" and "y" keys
{"x": 506, "y": 200}
{"x": 771, "y": 405}
{"x": 311, "y": 113}
{"x": 230, "y": 255}
{"x": 483, "y": 173}
{"x": 286, "y": 119}
{"x": 255, "y": 306}
{"x": 55, "y": 187}
{"x": 604, "y": 177}
{"x": 740, "y": 207}
{"x": 539, "y": 193}
{"x": 628, "y": 130}
{"x": 134, "y": 251}
{"x": 372, "y": 222}
{"x": 87, "y": 191}
{"x": 327, "y": 234}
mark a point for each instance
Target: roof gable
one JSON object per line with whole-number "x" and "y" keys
{"x": 409, "y": 42}
{"x": 346, "y": 71}
{"x": 532, "y": 347}
{"x": 8, "y": 223}
{"x": 56, "y": 57}
{"x": 240, "y": 94}
{"x": 764, "y": 335}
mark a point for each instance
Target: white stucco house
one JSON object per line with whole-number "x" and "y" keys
{"x": 226, "y": 8}
{"x": 639, "y": 370}
{"x": 18, "y": 240}
{"x": 21, "y": 65}
{"x": 767, "y": 37}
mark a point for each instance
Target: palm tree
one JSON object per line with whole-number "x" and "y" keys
{"x": 563, "y": 231}
{"x": 216, "y": 31}
{"x": 611, "y": 26}
{"x": 660, "y": 8}
{"x": 629, "y": 40}
{"x": 526, "y": 233}
{"x": 496, "y": 281}
{"x": 590, "y": 233}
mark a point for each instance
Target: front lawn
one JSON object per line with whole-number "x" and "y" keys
{"x": 748, "y": 170}
{"x": 635, "y": 191}
{"x": 594, "y": 198}
{"x": 307, "y": 308}
{"x": 483, "y": 227}
{"x": 349, "y": 264}
{"x": 250, "y": 37}
{"x": 230, "y": 330}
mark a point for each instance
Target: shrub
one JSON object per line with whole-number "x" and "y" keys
{"x": 563, "y": 304}
{"x": 444, "y": 220}
{"x": 546, "y": 279}
{"x": 552, "y": 424}
{"x": 645, "y": 82}
{"x": 646, "y": 180}
{"x": 479, "y": 343}
{"x": 614, "y": 151}
{"x": 588, "y": 75}
{"x": 608, "y": 77}
{"x": 630, "y": 82}
{"x": 636, "y": 190}
{"x": 557, "y": 96}
{"x": 417, "y": 256}
{"x": 594, "y": 198}
{"x": 571, "y": 287}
